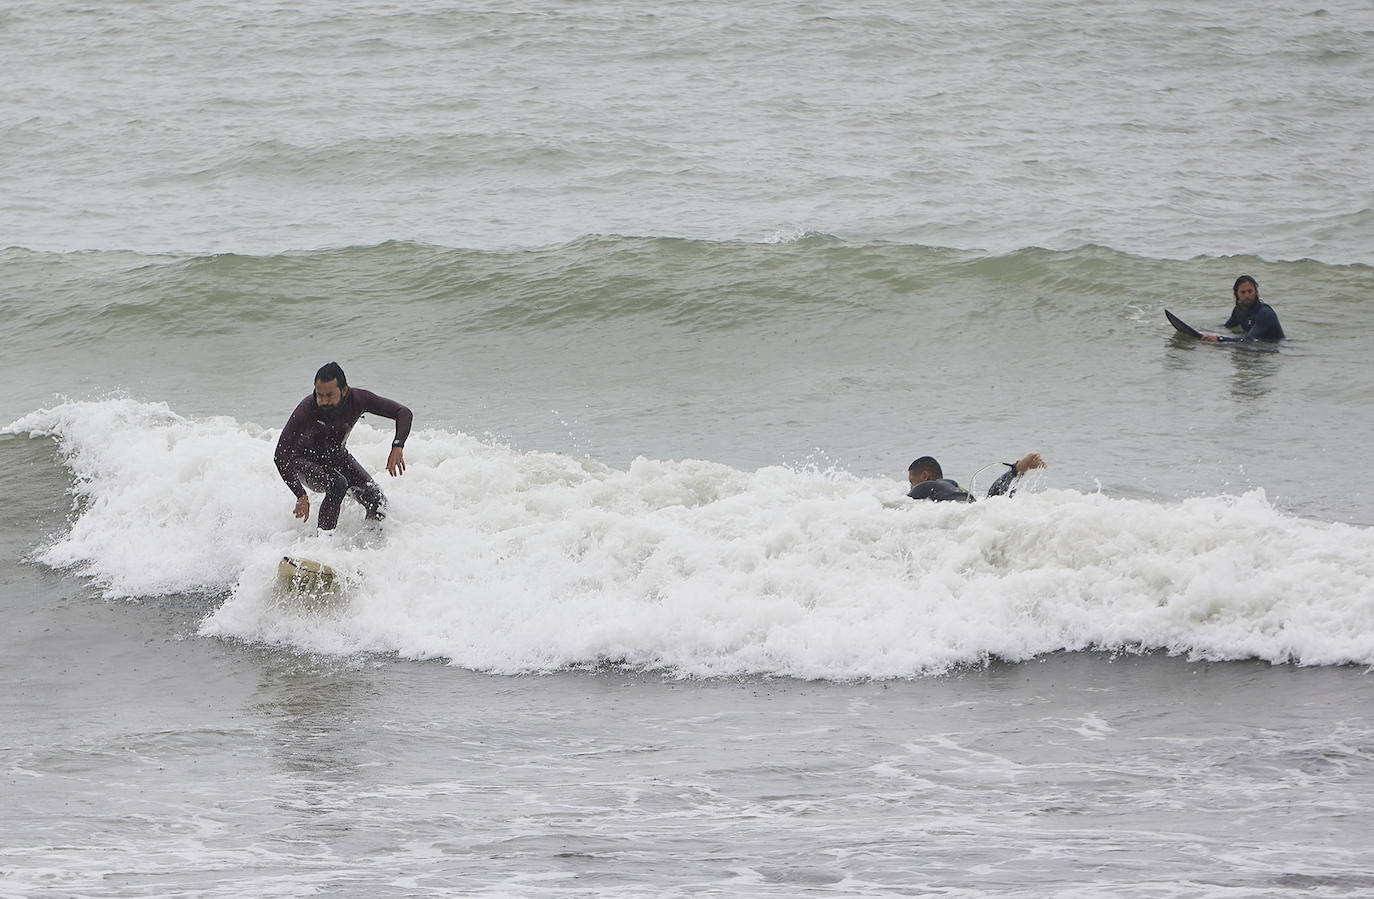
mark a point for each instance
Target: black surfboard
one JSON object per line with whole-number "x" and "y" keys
{"x": 1181, "y": 326}
{"x": 1188, "y": 330}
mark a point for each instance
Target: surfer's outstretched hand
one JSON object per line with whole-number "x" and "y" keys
{"x": 395, "y": 463}
{"x": 303, "y": 506}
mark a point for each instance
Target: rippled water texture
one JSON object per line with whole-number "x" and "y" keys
{"x": 1211, "y": 128}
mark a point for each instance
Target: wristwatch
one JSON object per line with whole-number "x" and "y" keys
{"x": 398, "y": 443}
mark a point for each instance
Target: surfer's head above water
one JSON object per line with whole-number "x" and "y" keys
{"x": 330, "y": 388}
{"x": 924, "y": 469}
{"x": 1246, "y": 290}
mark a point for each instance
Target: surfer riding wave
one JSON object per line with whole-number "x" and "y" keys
{"x": 310, "y": 452}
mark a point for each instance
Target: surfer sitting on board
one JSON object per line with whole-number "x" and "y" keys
{"x": 1256, "y": 318}
{"x": 310, "y": 452}
{"x": 929, "y": 482}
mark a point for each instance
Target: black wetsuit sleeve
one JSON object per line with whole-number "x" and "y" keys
{"x": 380, "y": 405}
{"x": 1237, "y": 316}
{"x": 940, "y": 490}
{"x": 923, "y": 490}
{"x": 286, "y": 444}
{"x": 1265, "y": 326}
{"x": 1003, "y": 485}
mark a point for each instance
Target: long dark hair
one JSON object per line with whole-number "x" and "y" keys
{"x": 331, "y": 371}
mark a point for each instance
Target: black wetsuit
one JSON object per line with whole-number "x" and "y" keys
{"x": 310, "y": 452}
{"x": 1260, "y": 322}
{"x": 945, "y": 490}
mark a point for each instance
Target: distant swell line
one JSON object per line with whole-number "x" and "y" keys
{"x": 598, "y": 279}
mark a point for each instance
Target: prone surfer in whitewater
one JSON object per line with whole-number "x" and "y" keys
{"x": 928, "y": 481}
{"x": 1257, "y": 319}
{"x": 310, "y": 452}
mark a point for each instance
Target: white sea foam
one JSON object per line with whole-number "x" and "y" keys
{"x": 515, "y": 562}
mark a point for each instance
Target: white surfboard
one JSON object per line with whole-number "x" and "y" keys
{"x": 315, "y": 584}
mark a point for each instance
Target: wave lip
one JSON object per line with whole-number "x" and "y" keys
{"x": 514, "y": 562}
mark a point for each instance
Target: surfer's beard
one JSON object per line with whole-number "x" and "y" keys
{"x": 327, "y": 412}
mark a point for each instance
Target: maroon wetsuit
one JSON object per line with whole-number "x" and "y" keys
{"x": 310, "y": 452}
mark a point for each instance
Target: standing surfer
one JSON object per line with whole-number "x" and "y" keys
{"x": 1257, "y": 319}
{"x": 311, "y": 453}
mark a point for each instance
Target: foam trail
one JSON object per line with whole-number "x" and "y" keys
{"x": 519, "y": 562}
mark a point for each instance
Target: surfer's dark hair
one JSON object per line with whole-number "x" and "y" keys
{"x": 1243, "y": 279}
{"x": 928, "y": 466}
{"x": 331, "y": 371}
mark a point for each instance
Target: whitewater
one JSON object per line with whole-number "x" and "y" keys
{"x": 513, "y": 562}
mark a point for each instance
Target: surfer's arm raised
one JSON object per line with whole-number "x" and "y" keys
{"x": 1014, "y": 470}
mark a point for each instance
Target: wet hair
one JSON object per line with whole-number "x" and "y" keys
{"x": 928, "y": 466}
{"x": 331, "y": 371}
{"x": 1243, "y": 279}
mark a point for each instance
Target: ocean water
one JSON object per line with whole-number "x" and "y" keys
{"x": 676, "y": 293}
